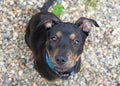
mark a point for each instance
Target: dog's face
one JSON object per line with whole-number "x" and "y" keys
{"x": 64, "y": 45}
{"x": 65, "y": 42}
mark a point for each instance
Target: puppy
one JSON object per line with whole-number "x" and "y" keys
{"x": 56, "y": 45}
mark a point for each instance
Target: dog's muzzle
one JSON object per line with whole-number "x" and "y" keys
{"x": 61, "y": 74}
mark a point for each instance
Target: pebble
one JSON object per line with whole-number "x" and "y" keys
{"x": 22, "y": 62}
{"x": 15, "y": 35}
{"x": 4, "y": 69}
{"x": 65, "y": 83}
{"x": 2, "y": 63}
{"x": 34, "y": 84}
{"x": 20, "y": 73}
{"x": 100, "y": 58}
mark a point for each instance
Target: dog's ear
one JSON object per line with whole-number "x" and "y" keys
{"x": 48, "y": 20}
{"x": 86, "y": 24}
{"x": 49, "y": 23}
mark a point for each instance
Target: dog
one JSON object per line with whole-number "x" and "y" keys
{"x": 56, "y": 45}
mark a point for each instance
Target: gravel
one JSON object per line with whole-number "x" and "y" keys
{"x": 101, "y": 56}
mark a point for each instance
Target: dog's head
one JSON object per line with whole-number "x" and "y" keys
{"x": 65, "y": 41}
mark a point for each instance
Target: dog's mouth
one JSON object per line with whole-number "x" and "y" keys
{"x": 61, "y": 68}
{"x": 66, "y": 67}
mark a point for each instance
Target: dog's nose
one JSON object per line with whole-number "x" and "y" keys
{"x": 61, "y": 60}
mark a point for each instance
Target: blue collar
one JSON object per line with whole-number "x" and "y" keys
{"x": 60, "y": 74}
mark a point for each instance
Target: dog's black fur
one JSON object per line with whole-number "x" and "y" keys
{"x": 46, "y": 33}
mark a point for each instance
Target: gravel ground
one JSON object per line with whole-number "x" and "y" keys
{"x": 101, "y": 56}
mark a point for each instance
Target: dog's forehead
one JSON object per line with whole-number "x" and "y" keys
{"x": 64, "y": 28}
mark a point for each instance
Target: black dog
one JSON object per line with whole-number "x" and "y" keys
{"x": 56, "y": 45}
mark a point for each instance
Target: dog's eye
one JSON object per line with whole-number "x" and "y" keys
{"x": 54, "y": 38}
{"x": 76, "y": 42}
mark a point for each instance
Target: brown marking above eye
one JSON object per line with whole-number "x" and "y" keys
{"x": 59, "y": 34}
{"x": 72, "y": 36}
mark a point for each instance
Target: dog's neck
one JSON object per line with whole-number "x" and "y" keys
{"x": 62, "y": 74}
